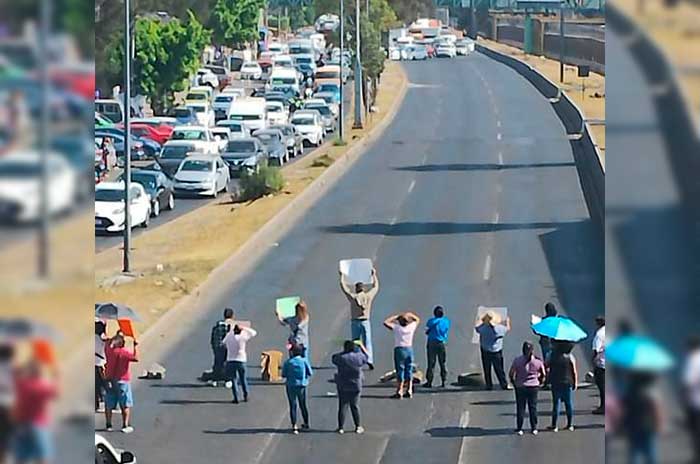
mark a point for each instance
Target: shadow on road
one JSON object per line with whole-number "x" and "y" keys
{"x": 480, "y": 167}
{"x": 435, "y": 228}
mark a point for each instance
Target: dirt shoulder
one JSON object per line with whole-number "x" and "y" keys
{"x": 171, "y": 261}
{"x": 590, "y": 97}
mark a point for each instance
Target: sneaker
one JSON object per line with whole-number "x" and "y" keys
{"x": 295, "y": 430}
{"x": 519, "y": 432}
{"x": 228, "y": 384}
{"x": 100, "y": 410}
{"x": 360, "y": 429}
{"x": 305, "y": 426}
{"x": 370, "y": 366}
{"x": 340, "y": 431}
{"x": 245, "y": 399}
{"x": 234, "y": 401}
{"x": 408, "y": 394}
{"x": 427, "y": 385}
{"x": 555, "y": 429}
{"x": 570, "y": 428}
{"x": 535, "y": 432}
{"x": 127, "y": 429}
{"x": 396, "y": 396}
{"x": 109, "y": 428}
{"x": 211, "y": 383}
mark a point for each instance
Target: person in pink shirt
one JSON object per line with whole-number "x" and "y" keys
{"x": 118, "y": 380}
{"x": 527, "y": 373}
{"x": 34, "y": 393}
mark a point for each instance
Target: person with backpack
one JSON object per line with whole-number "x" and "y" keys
{"x": 404, "y": 327}
{"x": 236, "y": 359}
{"x": 563, "y": 378}
{"x": 527, "y": 374}
{"x": 297, "y": 372}
{"x": 218, "y": 348}
{"x": 299, "y": 328}
{"x": 437, "y": 329}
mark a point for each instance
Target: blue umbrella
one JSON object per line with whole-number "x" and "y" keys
{"x": 638, "y": 353}
{"x": 559, "y": 328}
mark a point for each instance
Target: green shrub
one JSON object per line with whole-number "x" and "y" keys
{"x": 264, "y": 182}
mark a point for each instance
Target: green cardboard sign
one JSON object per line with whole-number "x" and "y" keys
{"x": 286, "y": 307}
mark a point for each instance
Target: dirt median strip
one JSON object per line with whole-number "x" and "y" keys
{"x": 174, "y": 260}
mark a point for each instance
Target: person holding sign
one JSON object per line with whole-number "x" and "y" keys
{"x": 360, "y": 309}
{"x": 491, "y": 333}
{"x": 299, "y": 328}
{"x": 404, "y": 327}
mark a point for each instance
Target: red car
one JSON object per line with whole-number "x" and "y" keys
{"x": 159, "y": 133}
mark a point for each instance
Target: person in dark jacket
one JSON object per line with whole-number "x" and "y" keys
{"x": 218, "y": 332}
{"x": 348, "y": 380}
{"x": 563, "y": 378}
{"x": 641, "y": 417}
{"x": 545, "y": 342}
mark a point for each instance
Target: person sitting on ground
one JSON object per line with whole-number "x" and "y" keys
{"x": 404, "y": 327}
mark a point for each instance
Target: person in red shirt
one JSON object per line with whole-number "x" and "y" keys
{"x": 118, "y": 380}
{"x": 34, "y": 394}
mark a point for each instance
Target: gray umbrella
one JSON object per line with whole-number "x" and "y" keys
{"x": 19, "y": 328}
{"x": 115, "y": 311}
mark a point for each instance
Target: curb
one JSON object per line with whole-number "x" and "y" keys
{"x": 587, "y": 157}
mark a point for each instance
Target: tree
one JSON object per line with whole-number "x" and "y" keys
{"x": 235, "y": 22}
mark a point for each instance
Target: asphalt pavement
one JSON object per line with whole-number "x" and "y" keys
{"x": 471, "y": 197}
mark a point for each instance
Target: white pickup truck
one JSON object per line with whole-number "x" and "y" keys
{"x": 202, "y": 137}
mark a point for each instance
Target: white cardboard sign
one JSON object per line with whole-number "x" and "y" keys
{"x": 481, "y": 310}
{"x": 357, "y": 270}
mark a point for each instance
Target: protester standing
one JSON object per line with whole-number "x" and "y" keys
{"x": 299, "y": 328}
{"x": 297, "y": 371}
{"x": 360, "y": 309}
{"x": 348, "y": 381}
{"x": 35, "y": 391}
{"x": 563, "y": 377}
{"x": 550, "y": 310}
{"x": 7, "y": 397}
{"x": 491, "y": 335}
{"x": 437, "y": 330}
{"x": 599, "y": 362}
{"x": 404, "y": 327}
{"x": 527, "y": 374}
{"x": 236, "y": 359}
{"x": 691, "y": 385}
{"x": 118, "y": 381}
{"x": 100, "y": 361}
{"x": 216, "y": 340}
{"x": 641, "y": 417}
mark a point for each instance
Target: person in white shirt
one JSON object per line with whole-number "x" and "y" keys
{"x": 599, "y": 362}
{"x": 100, "y": 361}
{"x": 236, "y": 359}
{"x": 404, "y": 326}
{"x": 691, "y": 385}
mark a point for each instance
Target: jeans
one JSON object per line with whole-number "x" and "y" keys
{"x": 349, "y": 399}
{"x": 237, "y": 369}
{"x": 526, "y": 396}
{"x": 436, "y": 352}
{"x": 495, "y": 359}
{"x": 403, "y": 363}
{"x": 599, "y": 376}
{"x": 642, "y": 447}
{"x": 99, "y": 386}
{"x": 297, "y": 395}
{"x": 219, "y": 367}
{"x": 565, "y": 394}
{"x": 362, "y": 330}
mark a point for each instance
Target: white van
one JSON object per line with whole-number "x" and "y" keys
{"x": 111, "y": 109}
{"x": 318, "y": 41}
{"x": 282, "y": 62}
{"x": 283, "y": 77}
{"x": 250, "y": 111}
{"x": 278, "y": 48}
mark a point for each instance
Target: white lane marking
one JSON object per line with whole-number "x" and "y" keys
{"x": 382, "y": 449}
{"x": 487, "y": 268}
{"x": 496, "y": 217}
{"x": 500, "y": 159}
{"x": 463, "y": 424}
{"x": 425, "y": 159}
{"x": 499, "y": 136}
{"x": 393, "y": 220}
{"x": 498, "y": 123}
{"x": 410, "y": 187}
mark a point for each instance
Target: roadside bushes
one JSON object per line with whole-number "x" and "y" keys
{"x": 267, "y": 180}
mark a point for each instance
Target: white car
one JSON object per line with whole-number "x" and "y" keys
{"x": 464, "y": 46}
{"x": 420, "y": 52}
{"x": 202, "y": 175}
{"x": 276, "y": 113}
{"x": 282, "y": 61}
{"x": 200, "y": 136}
{"x": 230, "y": 90}
{"x": 445, "y": 50}
{"x": 222, "y": 105}
{"x": 207, "y": 77}
{"x": 278, "y": 48}
{"x": 309, "y": 126}
{"x": 394, "y": 53}
{"x": 20, "y": 186}
{"x": 106, "y": 453}
{"x": 204, "y": 114}
{"x": 236, "y": 128}
{"x": 223, "y": 134}
{"x": 110, "y": 215}
{"x": 251, "y": 70}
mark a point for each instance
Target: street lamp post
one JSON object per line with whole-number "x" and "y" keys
{"x": 127, "y": 139}
{"x": 341, "y": 121}
{"x": 562, "y": 42}
{"x": 357, "y": 124}
{"x": 44, "y": 143}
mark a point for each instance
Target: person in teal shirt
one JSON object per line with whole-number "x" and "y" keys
{"x": 297, "y": 372}
{"x": 437, "y": 330}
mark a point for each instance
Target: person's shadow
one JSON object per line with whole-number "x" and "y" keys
{"x": 454, "y": 432}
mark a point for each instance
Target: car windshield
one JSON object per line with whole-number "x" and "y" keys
{"x": 245, "y": 117}
{"x": 273, "y": 108}
{"x": 224, "y": 99}
{"x": 148, "y": 181}
{"x": 178, "y": 152}
{"x": 241, "y": 146}
{"x": 196, "y": 165}
{"x": 198, "y": 109}
{"x": 324, "y": 110}
{"x": 250, "y": 66}
{"x": 109, "y": 195}
{"x": 283, "y": 80}
{"x": 303, "y": 121}
{"x": 304, "y": 60}
{"x": 327, "y": 75}
{"x": 326, "y": 98}
{"x": 183, "y": 113}
{"x": 233, "y": 127}
{"x": 19, "y": 170}
{"x": 189, "y": 135}
{"x": 267, "y": 138}
{"x": 195, "y": 96}
{"x": 327, "y": 88}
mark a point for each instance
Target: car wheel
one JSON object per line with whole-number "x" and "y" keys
{"x": 155, "y": 208}
{"x": 171, "y": 202}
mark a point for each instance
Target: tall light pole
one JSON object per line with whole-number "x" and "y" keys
{"x": 126, "y": 267}
{"x": 45, "y": 27}
{"x": 341, "y": 106}
{"x": 357, "y": 124}
{"x": 562, "y": 42}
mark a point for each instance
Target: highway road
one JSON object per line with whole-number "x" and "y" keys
{"x": 471, "y": 197}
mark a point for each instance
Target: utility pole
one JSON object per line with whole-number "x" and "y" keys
{"x": 357, "y": 124}
{"x": 341, "y": 120}
{"x": 562, "y": 42}
{"x": 45, "y": 28}
{"x": 127, "y": 138}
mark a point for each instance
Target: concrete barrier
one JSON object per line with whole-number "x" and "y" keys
{"x": 588, "y": 161}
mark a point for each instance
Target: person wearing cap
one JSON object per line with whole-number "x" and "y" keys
{"x": 598, "y": 349}
{"x": 360, "y": 308}
{"x": 491, "y": 333}
{"x": 437, "y": 330}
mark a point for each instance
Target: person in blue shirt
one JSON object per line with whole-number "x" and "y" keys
{"x": 297, "y": 371}
{"x": 437, "y": 330}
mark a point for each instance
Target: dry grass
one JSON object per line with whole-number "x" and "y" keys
{"x": 588, "y": 95}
